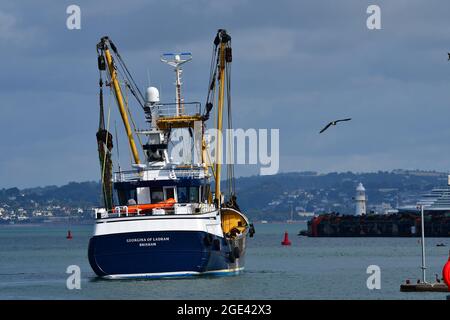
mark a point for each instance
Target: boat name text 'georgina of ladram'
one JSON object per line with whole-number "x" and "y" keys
{"x": 148, "y": 239}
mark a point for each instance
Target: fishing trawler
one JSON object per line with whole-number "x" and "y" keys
{"x": 162, "y": 218}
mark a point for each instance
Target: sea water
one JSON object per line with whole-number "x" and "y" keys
{"x": 34, "y": 261}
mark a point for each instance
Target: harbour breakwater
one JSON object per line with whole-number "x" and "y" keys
{"x": 378, "y": 225}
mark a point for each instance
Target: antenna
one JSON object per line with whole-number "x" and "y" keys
{"x": 176, "y": 60}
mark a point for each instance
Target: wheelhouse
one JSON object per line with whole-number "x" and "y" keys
{"x": 152, "y": 192}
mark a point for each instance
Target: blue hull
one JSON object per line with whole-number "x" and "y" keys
{"x": 162, "y": 254}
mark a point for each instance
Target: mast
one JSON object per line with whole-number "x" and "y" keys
{"x": 119, "y": 97}
{"x": 220, "y": 119}
{"x": 176, "y": 60}
{"x": 223, "y": 58}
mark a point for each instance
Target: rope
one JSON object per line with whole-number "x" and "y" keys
{"x": 101, "y": 125}
{"x": 106, "y": 150}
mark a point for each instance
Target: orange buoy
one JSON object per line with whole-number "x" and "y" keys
{"x": 69, "y": 235}
{"x": 286, "y": 241}
{"x": 446, "y": 273}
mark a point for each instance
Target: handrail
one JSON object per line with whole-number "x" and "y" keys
{"x": 133, "y": 175}
{"x": 171, "y": 109}
{"x": 205, "y": 208}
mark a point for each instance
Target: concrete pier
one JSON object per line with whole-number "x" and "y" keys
{"x": 424, "y": 287}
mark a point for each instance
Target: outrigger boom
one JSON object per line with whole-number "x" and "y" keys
{"x": 103, "y": 46}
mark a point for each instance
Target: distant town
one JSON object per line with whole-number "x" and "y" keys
{"x": 281, "y": 197}
{"x": 52, "y": 204}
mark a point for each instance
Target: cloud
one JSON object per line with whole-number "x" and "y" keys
{"x": 12, "y": 33}
{"x": 296, "y": 66}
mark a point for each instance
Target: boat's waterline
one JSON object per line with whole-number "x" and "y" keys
{"x": 176, "y": 275}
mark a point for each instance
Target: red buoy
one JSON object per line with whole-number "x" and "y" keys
{"x": 69, "y": 235}
{"x": 286, "y": 241}
{"x": 446, "y": 273}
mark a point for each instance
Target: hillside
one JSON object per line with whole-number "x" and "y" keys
{"x": 262, "y": 197}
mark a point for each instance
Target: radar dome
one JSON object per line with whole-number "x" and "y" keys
{"x": 152, "y": 95}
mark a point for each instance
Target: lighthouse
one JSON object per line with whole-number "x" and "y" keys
{"x": 360, "y": 200}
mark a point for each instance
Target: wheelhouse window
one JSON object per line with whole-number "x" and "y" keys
{"x": 205, "y": 192}
{"x": 193, "y": 195}
{"x": 157, "y": 194}
{"x": 188, "y": 194}
{"x": 143, "y": 195}
{"x": 126, "y": 196}
{"x": 169, "y": 193}
{"x": 182, "y": 193}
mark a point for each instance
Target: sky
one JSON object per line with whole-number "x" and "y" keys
{"x": 296, "y": 65}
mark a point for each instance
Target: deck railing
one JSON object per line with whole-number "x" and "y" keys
{"x": 187, "y": 209}
{"x": 176, "y": 173}
{"x": 175, "y": 109}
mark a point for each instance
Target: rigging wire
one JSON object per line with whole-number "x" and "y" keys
{"x": 127, "y": 75}
{"x": 129, "y": 85}
{"x": 131, "y": 118}
{"x": 230, "y": 166}
{"x": 121, "y": 84}
{"x": 117, "y": 144}
{"x": 212, "y": 73}
{"x": 211, "y": 96}
{"x": 212, "y": 82}
{"x": 230, "y": 146}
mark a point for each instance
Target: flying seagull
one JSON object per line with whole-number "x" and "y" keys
{"x": 449, "y": 56}
{"x": 333, "y": 123}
